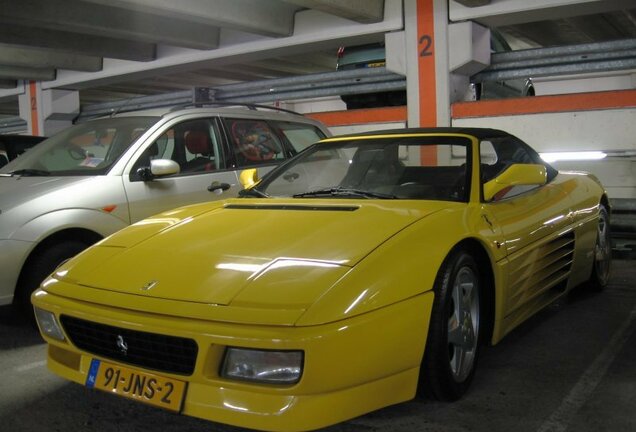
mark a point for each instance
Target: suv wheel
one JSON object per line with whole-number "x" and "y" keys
{"x": 42, "y": 264}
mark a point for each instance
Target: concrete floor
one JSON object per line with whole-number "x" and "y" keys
{"x": 570, "y": 368}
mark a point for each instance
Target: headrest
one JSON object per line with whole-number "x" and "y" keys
{"x": 197, "y": 142}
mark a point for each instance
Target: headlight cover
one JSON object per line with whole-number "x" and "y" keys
{"x": 48, "y": 324}
{"x": 264, "y": 366}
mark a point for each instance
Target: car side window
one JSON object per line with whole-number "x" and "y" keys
{"x": 193, "y": 144}
{"x": 197, "y": 146}
{"x": 489, "y": 161}
{"x": 299, "y": 136}
{"x": 254, "y": 142}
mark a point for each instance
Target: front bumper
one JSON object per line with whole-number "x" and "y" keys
{"x": 351, "y": 367}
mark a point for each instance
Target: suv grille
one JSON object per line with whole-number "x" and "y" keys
{"x": 148, "y": 350}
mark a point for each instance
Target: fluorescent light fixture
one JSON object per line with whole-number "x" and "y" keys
{"x": 565, "y": 156}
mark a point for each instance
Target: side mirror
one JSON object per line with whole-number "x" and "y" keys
{"x": 516, "y": 175}
{"x": 3, "y": 160}
{"x": 164, "y": 167}
{"x": 158, "y": 168}
{"x": 249, "y": 178}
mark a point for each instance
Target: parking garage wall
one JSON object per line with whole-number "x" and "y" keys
{"x": 604, "y": 121}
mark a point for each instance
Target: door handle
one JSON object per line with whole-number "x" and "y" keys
{"x": 218, "y": 187}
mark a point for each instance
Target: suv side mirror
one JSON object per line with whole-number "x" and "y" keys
{"x": 3, "y": 160}
{"x": 516, "y": 175}
{"x": 158, "y": 168}
{"x": 164, "y": 167}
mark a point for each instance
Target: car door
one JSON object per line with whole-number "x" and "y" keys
{"x": 197, "y": 146}
{"x": 534, "y": 221}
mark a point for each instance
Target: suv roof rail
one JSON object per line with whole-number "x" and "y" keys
{"x": 251, "y": 106}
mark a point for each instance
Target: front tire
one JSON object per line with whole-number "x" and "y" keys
{"x": 452, "y": 347}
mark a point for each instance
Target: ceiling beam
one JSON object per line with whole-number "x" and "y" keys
{"x": 363, "y": 11}
{"x": 100, "y": 20}
{"x": 314, "y": 31}
{"x": 11, "y": 55}
{"x": 85, "y": 44}
{"x": 267, "y": 18}
{"x": 286, "y": 67}
{"x": 8, "y": 84}
{"x": 26, "y": 73}
{"x": 234, "y": 73}
{"x": 473, "y": 3}
{"x": 511, "y": 12}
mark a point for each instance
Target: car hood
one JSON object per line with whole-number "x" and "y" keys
{"x": 249, "y": 253}
{"x": 15, "y": 190}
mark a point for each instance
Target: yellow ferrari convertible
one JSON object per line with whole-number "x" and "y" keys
{"x": 364, "y": 269}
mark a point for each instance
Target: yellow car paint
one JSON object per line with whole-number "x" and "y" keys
{"x": 350, "y": 282}
{"x": 516, "y": 175}
{"x": 331, "y": 390}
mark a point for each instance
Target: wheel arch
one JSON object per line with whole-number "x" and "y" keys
{"x": 606, "y": 202}
{"x": 487, "y": 276}
{"x": 84, "y": 235}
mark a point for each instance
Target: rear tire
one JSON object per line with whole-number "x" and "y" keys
{"x": 39, "y": 266}
{"x": 452, "y": 347}
{"x": 602, "y": 252}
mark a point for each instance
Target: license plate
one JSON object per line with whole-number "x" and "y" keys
{"x": 133, "y": 384}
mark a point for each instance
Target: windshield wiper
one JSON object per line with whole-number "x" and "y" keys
{"x": 343, "y": 192}
{"x": 30, "y": 172}
{"x": 253, "y": 193}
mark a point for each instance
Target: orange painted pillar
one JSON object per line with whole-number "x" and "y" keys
{"x": 426, "y": 35}
{"x": 30, "y": 107}
{"x": 426, "y": 63}
{"x": 47, "y": 111}
{"x": 428, "y": 95}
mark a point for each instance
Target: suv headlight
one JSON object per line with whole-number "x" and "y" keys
{"x": 266, "y": 366}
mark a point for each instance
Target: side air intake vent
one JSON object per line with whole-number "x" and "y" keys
{"x": 545, "y": 267}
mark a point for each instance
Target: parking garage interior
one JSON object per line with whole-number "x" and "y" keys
{"x": 570, "y": 367}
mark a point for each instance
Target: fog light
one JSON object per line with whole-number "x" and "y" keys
{"x": 48, "y": 324}
{"x": 276, "y": 367}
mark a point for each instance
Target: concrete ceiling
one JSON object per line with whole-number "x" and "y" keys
{"x": 116, "y": 49}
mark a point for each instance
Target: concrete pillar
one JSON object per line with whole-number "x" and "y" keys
{"x": 47, "y": 111}
{"x": 427, "y": 63}
{"x": 469, "y": 53}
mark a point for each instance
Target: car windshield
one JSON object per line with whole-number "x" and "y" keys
{"x": 85, "y": 149}
{"x": 405, "y": 167}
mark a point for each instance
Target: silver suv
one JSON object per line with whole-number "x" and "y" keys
{"x": 95, "y": 178}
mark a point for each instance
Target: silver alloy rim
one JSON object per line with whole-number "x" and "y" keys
{"x": 603, "y": 249}
{"x": 463, "y": 324}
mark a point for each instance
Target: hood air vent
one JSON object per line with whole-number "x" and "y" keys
{"x": 290, "y": 207}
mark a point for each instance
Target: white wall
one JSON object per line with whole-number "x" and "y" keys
{"x": 621, "y": 80}
{"x": 612, "y": 131}
{"x": 618, "y": 175}
{"x": 341, "y": 130}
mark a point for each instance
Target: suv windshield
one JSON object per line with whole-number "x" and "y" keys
{"x": 85, "y": 149}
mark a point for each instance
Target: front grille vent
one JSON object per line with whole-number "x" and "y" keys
{"x": 148, "y": 350}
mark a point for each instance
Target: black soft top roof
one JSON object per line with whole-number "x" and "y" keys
{"x": 479, "y": 133}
